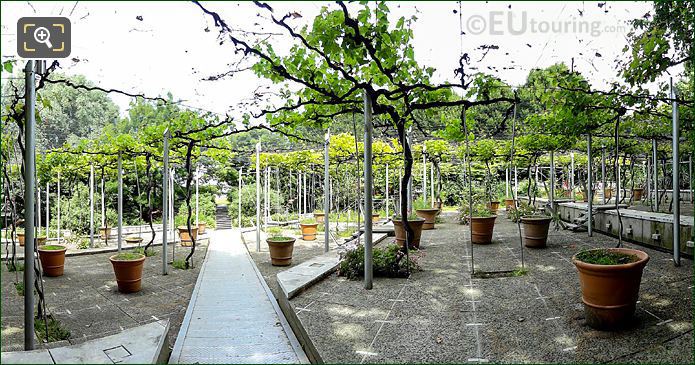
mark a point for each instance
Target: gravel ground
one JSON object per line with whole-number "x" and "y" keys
{"x": 444, "y": 314}
{"x": 87, "y": 303}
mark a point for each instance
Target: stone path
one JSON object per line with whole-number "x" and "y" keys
{"x": 232, "y": 316}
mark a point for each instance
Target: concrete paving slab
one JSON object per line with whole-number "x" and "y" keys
{"x": 26, "y": 357}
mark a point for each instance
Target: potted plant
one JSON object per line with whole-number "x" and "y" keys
{"x": 425, "y": 212}
{"x": 52, "y": 259}
{"x": 186, "y": 237}
{"x": 482, "y": 224}
{"x": 133, "y": 239}
{"x": 280, "y": 250}
{"x": 536, "y": 225}
{"x": 201, "y": 227}
{"x": 415, "y": 223}
{"x": 319, "y": 216}
{"x": 309, "y": 229}
{"x": 509, "y": 204}
{"x": 609, "y": 280}
{"x": 40, "y": 238}
{"x": 128, "y": 269}
{"x": 375, "y": 217}
{"x": 637, "y": 194}
{"x": 105, "y": 230}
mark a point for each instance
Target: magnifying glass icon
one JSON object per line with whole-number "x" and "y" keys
{"x": 42, "y": 35}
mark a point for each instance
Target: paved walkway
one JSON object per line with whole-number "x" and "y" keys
{"x": 232, "y": 316}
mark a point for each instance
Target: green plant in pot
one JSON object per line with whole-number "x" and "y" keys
{"x": 309, "y": 229}
{"x": 425, "y": 212}
{"x": 610, "y": 280}
{"x": 416, "y": 224}
{"x": 52, "y": 259}
{"x": 127, "y": 266}
{"x": 482, "y": 224}
{"x": 281, "y": 249}
{"x": 535, "y": 225}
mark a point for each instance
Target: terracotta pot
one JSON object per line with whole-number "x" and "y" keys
{"x": 105, "y": 232}
{"x": 509, "y": 204}
{"x": 309, "y": 231}
{"x": 482, "y": 229}
{"x": 535, "y": 230}
{"x": 39, "y": 240}
{"x": 585, "y": 195}
{"x": 375, "y": 218}
{"x": 609, "y": 292}
{"x": 637, "y": 194}
{"x": 608, "y": 193}
{"x": 128, "y": 273}
{"x": 494, "y": 206}
{"x": 319, "y": 217}
{"x": 429, "y": 215}
{"x": 133, "y": 240}
{"x": 281, "y": 251}
{"x": 399, "y": 230}
{"x": 52, "y": 261}
{"x": 185, "y": 237}
{"x": 437, "y": 205}
{"x": 201, "y": 228}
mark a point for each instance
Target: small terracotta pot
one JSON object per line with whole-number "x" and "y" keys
{"x": 105, "y": 232}
{"x": 535, "y": 231}
{"x": 375, "y": 218}
{"x": 509, "y": 204}
{"x": 52, "y": 261}
{"x": 437, "y": 205}
{"x": 128, "y": 273}
{"x": 609, "y": 193}
{"x": 201, "y": 228}
{"x": 585, "y": 195}
{"x": 185, "y": 237}
{"x": 429, "y": 215}
{"x": 637, "y": 194}
{"x": 399, "y": 230}
{"x": 482, "y": 229}
{"x": 494, "y": 206}
{"x": 319, "y": 217}
{"x": 280, "y": 251}
{"x": 309, "y": 231}
{"x": 40, "y": 241}
{"x": 609, "y": 292}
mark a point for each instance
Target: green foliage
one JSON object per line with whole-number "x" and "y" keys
{"x": 52, "y": 247}
{"x": 388, "y": 261}
{"x": 80, "y": 242}
{"x": 56, "y": 332}
{"x": 128, "y": 256}
{"x": 248, "y": 200}
{"x": 19, "y": 287}
{"x": 280, "y": 239}
{"x": 605, "y": 257}
{"x": 12, "y": 267}
{"x": 148, "y": 253}
{"x": 420, "y": 203}
{"x": 523, "y": 210}
{"x": 179, "y": 264}
{"x": 273, "y": 231}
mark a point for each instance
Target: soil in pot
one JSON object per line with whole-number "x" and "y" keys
{"x": 309, "y": 231}
{"x": 128, "y": 269}
{"x": 185, "y": 237}
{"x": 281, "y": 250}
{"x": 482, "y": 229}
{"x": 637, "y": 194}
{"x": 399, "y": 230}
{"x": 610, "y": 280}
{"x": 535, "y": 231}
{"x": 52, "y": 259}
{"x": 319, "y": 217}
{"x": 429, "y": 215}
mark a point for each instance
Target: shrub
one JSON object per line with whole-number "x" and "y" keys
{"x": 141, "y": 250}
{"x": 179, "y": 264}
{"x": 248, "y": 200}
{"x": 55, "y": 331}
{"x": 388, "y": 261}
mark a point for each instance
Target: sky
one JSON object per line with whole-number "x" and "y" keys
{"x": 154, "y": 48}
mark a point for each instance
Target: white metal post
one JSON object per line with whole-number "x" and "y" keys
{"x": 241, "y": 172}
{"x": 91, "y": 206}
{"x": 387, "y": 191}
{"x": 258, "y": 197}
{"x": 516, "y": 184}
{"x": 589, "y": 183}
{"x": 29, "y": 182}
{"x": 506, "y": 182}
{"x": 120, "y": 201}
{"x": 552, "y": 181}
{"x": 655, "y": 166}
{"x": 432, "y": 183}
{"x": 367, "y": 192}
{"x": 48, "y": 208}
{"x": 197, "y": 182}
{"x": 165, "y": 200}
{"x": 424, "y": 173}
{"x": 572, "y": 174}
{"x": 690, "y": 176}
{"x": 326, "y": 191}
{"x": 603, "y": 173}
{"x": 58, "y": 207}
{"x": 676, "y": 181}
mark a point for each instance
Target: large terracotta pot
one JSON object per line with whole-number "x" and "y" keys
{"x": 494, "y": 206}
{"x": 509, "y": 204}
{"x": 201, "y": 227}
{"x": 185, "y": 237}
{"x": 609, "y": 292}
{"x": 399, "y": 230}
{"x": 39, "y": 240}
{"x": 637, "y": 194}
{"x": 105, "y": 232}
{"x": 308, "y": 231}
{"x": 535, "y": 231}
{"x": 128, "y": 273}
{"x": 281, "y": 250}
{"x": 429, "y": 215}
{"x": 52, "y": 260}
{"x": 319, "y": 217}
{"x": 482, "y": 229}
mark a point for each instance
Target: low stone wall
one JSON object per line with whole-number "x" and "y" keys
{"x": 646, "y": 228}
